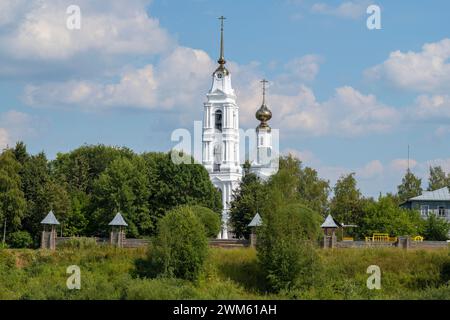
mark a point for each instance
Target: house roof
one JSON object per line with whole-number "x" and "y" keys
{"x": 118, "y": 221}
{"x": 330, "y": 223}
{"x": 256, "y": 221}
{"x": 50, "y": 219}
{"x": 442, "y": 194}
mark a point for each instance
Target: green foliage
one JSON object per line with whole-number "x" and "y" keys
{"x": 247, "y": 200}
{"x": 410, "y": 186}
{"x": 210, "y": 220}
{"x": 81, "y": 167}
{"x": 124, "y": 187}
{"x": 20, "y": 239}
{"x": 436, "y": 228}
{"x": 180, "y": 247}
{"x": 172, "y": 185}
{"x": 284, "y": 246}
{"x": 20, "y": 152}
{"x": 285, "y": 251}
{"x": 346, "y": 204}
{"x": 107, "y": 273}
{"x": 313, "y": 190}
{"x": 79, "y": 243}
{"x": 386, "y": 216}
{"x": 437, "y": 179}
{"x": 12, "y": 198}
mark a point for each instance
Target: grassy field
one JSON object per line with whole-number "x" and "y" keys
{"x": 110, "y": 273}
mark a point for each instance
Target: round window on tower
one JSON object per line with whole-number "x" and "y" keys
{"x": 219, "y": 75}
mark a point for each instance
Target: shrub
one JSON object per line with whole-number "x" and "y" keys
{"x": 210, "y": 220}
{"x": 285, "y": 247}
{"x": 79, "y": 243}
{"x": 20, "y": 239}
{"x": 436, "y": 228}
{"x": 180, "y": 247}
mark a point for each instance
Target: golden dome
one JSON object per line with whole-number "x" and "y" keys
{"x": 263, "y": 114}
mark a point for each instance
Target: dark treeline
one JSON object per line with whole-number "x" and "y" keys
{"x": 87, "y": 186}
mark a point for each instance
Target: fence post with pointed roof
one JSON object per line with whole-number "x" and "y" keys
{"x": 117, "y": 235}
{"x": 255, "y": 223}
{"x": 48, "y": 238}
{"x": 329, "y": 227}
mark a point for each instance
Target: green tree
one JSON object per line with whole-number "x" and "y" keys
{"x": 180, "y": 247}
{"x": 436, "y": 228}
{"x": 285, "y": 246}
{"x": 124, "y": 187}
{"x": 36, "y": 182}
{"x": 437, "y": 179}
{"x": 20, "y": 152}
{"x": 172, "y": 185}
{"x": 289, "y": 230}
{"x": 247, "y": 200}
{"x": 81, "y": 167}
{"x": 410, "y": 186}
{"x": 386, "y": 216}
{"x": 20, "y": 239}
{"x": 346, "y": 204}
{"x": 12, "y": 199}
{"x": 314, "y": 191}
{"x": 211, "y": 220}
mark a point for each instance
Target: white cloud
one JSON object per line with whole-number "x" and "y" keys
{"x": 347, "y": 113}
{"x": 14, "y": 126}
{"x": 4, "y": 138}
{"x": 117, "y": 27}
{"x": 349, "y": 9}
{"x": 432, "y": 107}
{"x": 401, "y": 165}
{"x": 302, "y": 69}
{"x": 372, "y": 169}
{"x": 177, "y": 80}
{"x": 424, "y": 71}
{"x": 11, "y": 9}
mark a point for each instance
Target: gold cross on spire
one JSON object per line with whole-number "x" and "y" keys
{"x": 222, "y": 56}
{"x": 264, "y": 81}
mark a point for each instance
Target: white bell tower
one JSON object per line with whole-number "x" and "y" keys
{"x": 221, "y": 136}
{"x": 266, "y": 163}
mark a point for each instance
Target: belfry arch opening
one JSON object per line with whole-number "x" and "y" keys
{"x": 218, "y": 120}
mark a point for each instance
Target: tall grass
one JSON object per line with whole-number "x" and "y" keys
{"x": 110, "y": 273}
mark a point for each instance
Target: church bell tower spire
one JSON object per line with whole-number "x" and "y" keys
{"x": 221, "y": 136}
{"x": 221, "y": 60}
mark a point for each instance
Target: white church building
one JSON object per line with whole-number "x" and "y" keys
{"x": 221, "y": 138}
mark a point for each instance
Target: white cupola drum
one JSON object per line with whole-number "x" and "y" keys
{"x": 263, "y": 166}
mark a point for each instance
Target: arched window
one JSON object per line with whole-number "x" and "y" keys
{"x": 217, "y": 156}
{"x": 218, "y": 120}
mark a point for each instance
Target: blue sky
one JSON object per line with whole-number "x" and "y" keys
{"x": 345, "y": 98}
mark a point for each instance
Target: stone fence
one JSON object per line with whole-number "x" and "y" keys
{"x": 398, "y": 244}
{"x": 127, "y": 243}
{"x": 405, "y": 243}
